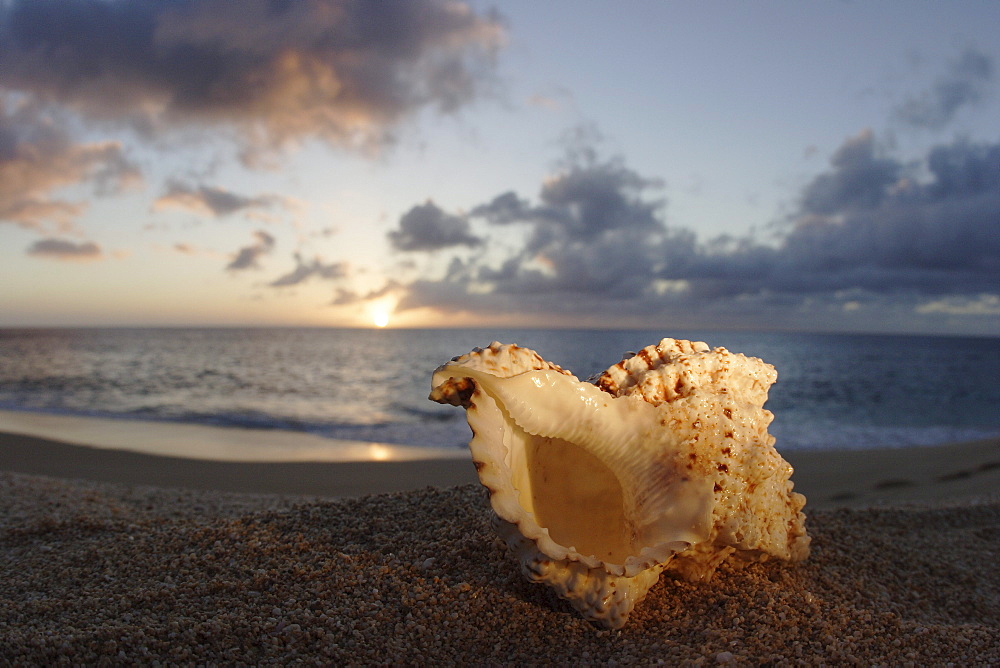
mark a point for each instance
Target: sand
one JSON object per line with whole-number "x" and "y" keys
{"x": 857, "y": 478}
{"x": 29, "y": 454}
{"x": 120, "y": 558}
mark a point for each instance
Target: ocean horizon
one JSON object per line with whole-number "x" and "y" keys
{"x": 363, "y": 387}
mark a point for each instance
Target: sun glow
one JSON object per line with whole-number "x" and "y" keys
{"x": 381, "y": 311}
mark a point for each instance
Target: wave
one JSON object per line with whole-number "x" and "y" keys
{"x": 433, "y": 429}
{"x": 861, "y": 437}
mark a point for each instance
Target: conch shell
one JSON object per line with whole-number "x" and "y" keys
{"x": 662, "y": 462}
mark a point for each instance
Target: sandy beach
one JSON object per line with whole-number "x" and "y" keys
{"x": 851, "y": 478}
{"x": 126, "y": 557}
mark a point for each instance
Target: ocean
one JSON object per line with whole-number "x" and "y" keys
{"x": 833, "y": 391}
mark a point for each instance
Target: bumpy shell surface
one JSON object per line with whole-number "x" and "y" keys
{"x": 663, "y": 462}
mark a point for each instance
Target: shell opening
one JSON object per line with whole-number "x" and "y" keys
{"x": 583, "y": 509}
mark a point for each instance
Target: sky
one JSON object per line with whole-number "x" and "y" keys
{"x": 823, "y": 166}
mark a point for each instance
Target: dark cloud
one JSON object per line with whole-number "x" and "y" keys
{"x": 591, "y": 199}
{"x": 859, "y": 179}
{"x": 505, "y": 208}
{"x": 426, "y": 227}
{"x": 346, "y": 71}
{"x": 346, "y": 297}
{"x": 964, "y": 84}
{"x": 593, "y": 231}
{"x": 248, "y": 256}
{"x": 869, "y": 239}
{"x": 933, "y": 236}
{"x": 210, "y": 200}
{"x": 869, "y": 225}
{"x": 304, "y": 270}
{"x": 37, "y": 159}
{"x": 61, "y": 249}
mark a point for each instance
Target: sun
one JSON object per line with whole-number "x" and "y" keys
{"x": 380, "y": 311}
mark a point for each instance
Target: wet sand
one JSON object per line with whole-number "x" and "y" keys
{"x": 117, "y": 556}
{"x": 29, "y": 454}
{"x": 855, "y": 478}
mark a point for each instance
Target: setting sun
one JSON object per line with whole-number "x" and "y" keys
{"x": 380, "y": 318}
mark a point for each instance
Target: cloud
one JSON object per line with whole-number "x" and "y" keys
{"x": 248, "y": 256}
{"x": 594, "y": 236}
{"x": 870, "y": 224}
{"x": 984, "y": 304}
{"x": 426, "y": 227}
{"x": 872, "y": 237}
{"x": 505, "y": 208}
{"x": 193, "y": 250}
{"x": 344, "y": 71}
{"x": 312, "y": 269}
{"x": 37, "y": 159}
{"x": 859, "y": 178}
{"x": 61, "y": 249}
{"x": 964, "y": 84}
{"x": 934, "y": 236}
{"x": 346, "y": 297}
{"x": 209, "y": 200}
{"x": 594, "y": 231}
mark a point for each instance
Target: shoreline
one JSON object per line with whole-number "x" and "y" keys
{"x": 207, "y": 442}
{"x": 829, "y": 479}
{"x": 32, "y": 455}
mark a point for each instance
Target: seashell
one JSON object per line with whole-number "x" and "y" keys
{"x": 663, "y": 462}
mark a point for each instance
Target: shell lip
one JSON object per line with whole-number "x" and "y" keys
{"x": 648, "y": 557}
{"x": 504, "y": 501}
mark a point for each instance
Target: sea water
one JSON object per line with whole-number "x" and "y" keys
{"x": 833, "y": 391}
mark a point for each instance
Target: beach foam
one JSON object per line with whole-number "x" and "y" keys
{"x": 228, "y": 444}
